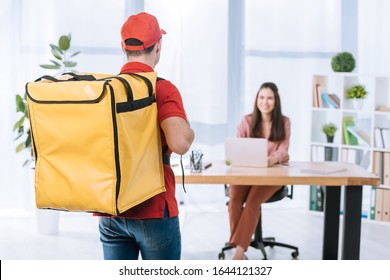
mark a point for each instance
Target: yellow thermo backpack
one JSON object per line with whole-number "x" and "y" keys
{"x": 96, "y": 142}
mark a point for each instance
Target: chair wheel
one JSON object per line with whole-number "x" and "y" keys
{"x": 295, "y": 254}
{"x": 221, "y": 256}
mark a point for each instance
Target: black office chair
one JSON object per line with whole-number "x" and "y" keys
{"x": 260, "y": 242}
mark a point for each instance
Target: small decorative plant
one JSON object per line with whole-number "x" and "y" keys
{"x": 343, "y": 62}
{"x": 329, "y": 129}
{"x": 228, "y": 166}
{"x": 357, "y": 91}
{"x": 60, "y": 53}
{"x": 22, "y": 125}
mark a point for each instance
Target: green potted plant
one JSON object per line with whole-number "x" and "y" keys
{"x": 47, "y": 220}
{"x": 228, "y": 165}
{"x": 357, "y": 93}
{"x": 59, "y": 62}
{"x": 329, "y": 129}
{"x": 343, "y": 62}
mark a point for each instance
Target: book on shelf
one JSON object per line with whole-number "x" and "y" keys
{"x": 365, "y": 161}
{"x": 386, "y": 137}
{"x": 316, "y": 198}
{"x": 386, "y": 168}
{"x": 382, "y": 203}
{"x": 320, "y": 198}
{"x": 378, "y": 204}
{"x": 318, "y": 94}
{"x": 386, "y": 205}
{"x": 359, "y": 157}
{"x": 329, "y": 101}
{"x": 362, "y": 137}
{"x": 349, "y": 138}
{"x": 318, "y": 90}
{"x": 328, "y": 153}
{"x": 344, "y": 155}
{"x": 372, "y": 203}
{"x": 335, "y": 99}
{"x": 315, "y": 96}
{"x": 324, "y": 102}
{"x": 377, "y": 164}
{"x": 384, "y": 108}
{"x": 352, "y": 156}
{"x": 378, "y": 137}
{"x": 366, "y": 202}
{"x": 318, "y": 153}
{"x": 321, "y": 153}
{"x": 313, "y": 198}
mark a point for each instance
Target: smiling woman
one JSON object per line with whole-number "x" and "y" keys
{"x": 266, "y": 121}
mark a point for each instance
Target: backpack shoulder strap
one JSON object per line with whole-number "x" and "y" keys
{"x": 166, "y": 158}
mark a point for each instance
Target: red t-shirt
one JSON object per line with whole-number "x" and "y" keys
{"x": 169, "y": 104}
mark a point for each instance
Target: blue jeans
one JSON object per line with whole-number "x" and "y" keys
{"x": 156, "y": 239}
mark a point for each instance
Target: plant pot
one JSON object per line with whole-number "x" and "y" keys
{"x": 329, "y": 139}
{"x": 228, "y": 168}
{"x": 47, "y": 221}
{"x": 328, "y": 153}
{"x": 357, "y": 103}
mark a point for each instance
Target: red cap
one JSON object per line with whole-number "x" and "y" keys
{"x": 143, "y": 27}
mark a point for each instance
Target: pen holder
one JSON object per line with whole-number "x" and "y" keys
{"x": 196, "y": 162}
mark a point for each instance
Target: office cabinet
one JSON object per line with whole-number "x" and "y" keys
{"x": 363, "y": 127}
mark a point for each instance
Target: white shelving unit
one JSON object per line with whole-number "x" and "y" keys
{"x": 365, "y": 122}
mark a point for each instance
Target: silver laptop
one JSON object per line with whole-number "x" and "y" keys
{"x": 247, "y": 152}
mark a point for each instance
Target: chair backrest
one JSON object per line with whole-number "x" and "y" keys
{"x": 283, "y": 192}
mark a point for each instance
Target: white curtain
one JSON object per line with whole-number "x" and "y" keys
{"x": 374, "y": 38}
{"x": 286, "y": 44}
{"x": 14, "y": 178}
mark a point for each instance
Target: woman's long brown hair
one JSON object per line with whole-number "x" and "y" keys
{"x": 277, "y": 128}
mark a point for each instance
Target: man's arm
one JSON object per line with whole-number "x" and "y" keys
{"x": 178, "y": 133}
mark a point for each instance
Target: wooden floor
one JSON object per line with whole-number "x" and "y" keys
{"x": 204, "y": 232}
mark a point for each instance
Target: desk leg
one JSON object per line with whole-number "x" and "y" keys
{"x": 331, "y": 223}
{"x": 352, "y": 223}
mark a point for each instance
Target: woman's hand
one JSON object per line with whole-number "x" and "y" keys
{"x": 272, "y": 161}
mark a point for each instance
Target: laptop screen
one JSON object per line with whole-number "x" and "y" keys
{"x": 247, "y": 152}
